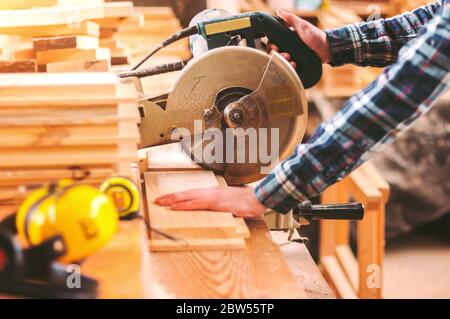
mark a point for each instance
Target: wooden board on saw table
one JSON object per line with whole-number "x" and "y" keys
{"x": 199, "y": 230}
{"x": 82, "y": 42}
{"x": 168, "y": 158}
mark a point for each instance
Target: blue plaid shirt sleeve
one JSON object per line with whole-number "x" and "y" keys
{"x": 377, "y": 43}
{"x": 368, "y": 121}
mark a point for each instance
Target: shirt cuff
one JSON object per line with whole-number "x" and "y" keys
{"x": 345, "y": 44}
{"x": 278, "y": 193}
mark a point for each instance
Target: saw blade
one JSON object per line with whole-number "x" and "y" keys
{"x": 250, "y": 107}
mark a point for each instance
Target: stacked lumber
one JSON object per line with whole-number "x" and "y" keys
{"x": 169, "y": 170}
{"x": 57, "y": 35}
{"x": 48, "y": 135}
{"x": 343, "y": 81}
{"x": 146, "y": 30}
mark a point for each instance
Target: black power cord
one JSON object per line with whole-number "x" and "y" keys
{"x": 173, "y": 38}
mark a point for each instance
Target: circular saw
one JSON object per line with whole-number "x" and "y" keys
{"x": 234, "y": 109}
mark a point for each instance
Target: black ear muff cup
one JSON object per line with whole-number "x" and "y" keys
{"x": 11, "y": 256}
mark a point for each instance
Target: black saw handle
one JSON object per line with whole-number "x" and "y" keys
{"x": 351, "y": 211}
{"x": 255, "y": 25}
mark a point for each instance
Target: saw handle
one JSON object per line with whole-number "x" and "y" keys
{"x": 351, "y": 211}
{"x": 309, "y": 65}
{"x": 255, "y": 25}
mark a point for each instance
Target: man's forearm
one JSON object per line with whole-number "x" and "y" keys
{"x": 377, "y": 43}
{"x": 368, "y": 121}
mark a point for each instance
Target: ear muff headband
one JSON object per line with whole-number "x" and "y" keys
{"x": 51, "y": 190}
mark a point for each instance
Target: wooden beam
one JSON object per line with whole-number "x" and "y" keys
{"x": 81, "y": 28}
{"x": 78, "y": 66}
{"x": 65, "y": 42}
{"x": 59, "y": 15}
{"x": 64, "y": 55}
{"x": 21, "y": 66}
{"x": 47, "y": 85}
{"x": 25, "y": 4}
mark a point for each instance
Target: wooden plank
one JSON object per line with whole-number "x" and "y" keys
{"x": 64, "y": 136}
{"x": 63, "y": 55}
{"x": 96, "y": 95}
{"x": 334, "y": 272}
{"x": 78, "y": 66}
{"x": 62, "y": 156}
{"x": 363, "y": 190}
{"x": 370, "y": 253}
{"x": 155, "y": 13}
{"x": 39, "y": 176}
{"x": 191, "y": 224}
{"x": 81, "y": 28}
{"x": 168, "y": 158}
{"x": 241, "y": 227}
{"x": 65, "y": 42}
{"x": 119, "y": 60}
{"x": 58, "y": 15}
{"x": 21, "y": 66}
{"x": 260, "y": 271}
{"x": 349, "y": 264}
{"x": 25, "y": 4}
{"x": 48, "y": 85}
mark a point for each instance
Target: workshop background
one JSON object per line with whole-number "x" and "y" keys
{"x": 408, "y": 183}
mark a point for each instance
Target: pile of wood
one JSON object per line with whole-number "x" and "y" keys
{"x": 143, "y": 32}
{"x": 58, "y": 35}
{"x": 69, "y": 125}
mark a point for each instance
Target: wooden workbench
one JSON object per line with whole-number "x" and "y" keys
{"x": 126, "y": 269}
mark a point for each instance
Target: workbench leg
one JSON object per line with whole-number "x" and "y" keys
{"x": 370, "y": 252}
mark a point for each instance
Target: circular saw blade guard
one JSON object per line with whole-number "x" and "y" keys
{"x": 237, "y": 111}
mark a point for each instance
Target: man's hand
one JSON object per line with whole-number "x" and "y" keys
{"x": 313, "y": 37}
{"x": 240, "y": 201}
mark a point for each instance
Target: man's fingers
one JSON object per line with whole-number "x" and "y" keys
{"x": 195, "y": 204}
{"x": 287, "y": 56}
{"x": 169, "y": 199}
{"x": 291, "y": 19}
{"x": 294, "y": 65}
{"x": 273, "y": 47}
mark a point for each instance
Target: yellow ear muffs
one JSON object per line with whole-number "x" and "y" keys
{"x": 83, "y": 216}
{"x": 125, "y": 195}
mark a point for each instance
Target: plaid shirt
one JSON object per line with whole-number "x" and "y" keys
{"x": 416, "y": 45}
